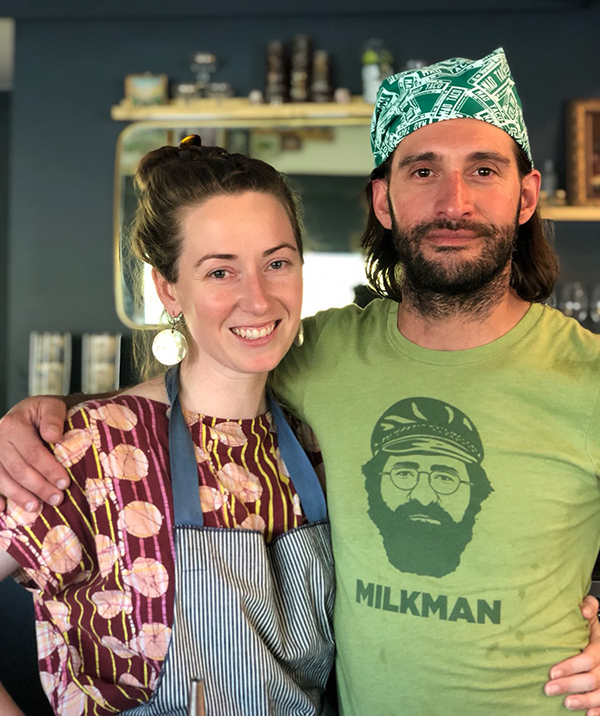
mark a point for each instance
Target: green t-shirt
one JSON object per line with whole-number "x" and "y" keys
{"x": 464, "y": 504}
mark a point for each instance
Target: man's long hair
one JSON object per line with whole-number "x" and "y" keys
{"x": 534, "y": 261}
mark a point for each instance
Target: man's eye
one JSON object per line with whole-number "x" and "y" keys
{"x": 443, "y": 477}
{"x": 276, "y": 264}
{"x": 423, "y": 173}
{"x": 402, "y": 474}
{"x": 484, "y": 171}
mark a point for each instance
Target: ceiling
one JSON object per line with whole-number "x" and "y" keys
{"x": 135, "y": 9}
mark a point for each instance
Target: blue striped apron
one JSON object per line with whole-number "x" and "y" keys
{"x": 253, "y": 620}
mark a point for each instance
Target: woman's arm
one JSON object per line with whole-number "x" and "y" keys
{"x": 7, "y": 706}
{"x": 8, "y": 566}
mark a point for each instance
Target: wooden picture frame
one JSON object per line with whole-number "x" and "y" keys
{"x": 146, "y": 89}
{"x": 583, "y": 152}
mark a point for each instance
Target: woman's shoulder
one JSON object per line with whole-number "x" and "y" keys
{"x": 152, "y": 389}
{"x": 124, "y": 410}
{"x": 124, "y": 439}
{"x": 125, "y": 419}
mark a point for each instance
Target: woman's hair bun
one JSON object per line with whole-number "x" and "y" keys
{"x": 173, "y": 159}
{"x": 192, "y": 140}
{"x": 191, "y": 148}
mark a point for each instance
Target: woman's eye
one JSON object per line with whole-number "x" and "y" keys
{"x": 276, "y": 264}
{"x": 218, "y": 273}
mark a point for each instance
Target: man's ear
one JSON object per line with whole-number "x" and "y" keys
{"x": 167, "y": 293}
{"x": 530, "y": 192}
{"x": 379, "y": 188}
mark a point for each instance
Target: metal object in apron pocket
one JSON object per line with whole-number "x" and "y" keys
{"x": 196, "y": 704}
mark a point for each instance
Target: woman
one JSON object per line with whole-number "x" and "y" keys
{"x": 193, "y": 543}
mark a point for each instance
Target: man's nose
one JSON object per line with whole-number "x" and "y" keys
{"x": 455, "y": 200}
{"x": 254, "y": 298}
{"x": 422, "y": 491}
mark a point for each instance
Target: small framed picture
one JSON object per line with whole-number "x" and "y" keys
{"x": 147, "y": 89}
{"x": 583, "y": 151}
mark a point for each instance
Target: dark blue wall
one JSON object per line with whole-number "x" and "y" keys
{"x": 68, "y": 73}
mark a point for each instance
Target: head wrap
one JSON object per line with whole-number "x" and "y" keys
{"x": 453, "y": 89}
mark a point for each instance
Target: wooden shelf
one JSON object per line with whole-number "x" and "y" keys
{"x": 238, "y": 111}
{"x": 571, "y": 213}
{"x": 239, "y": 108}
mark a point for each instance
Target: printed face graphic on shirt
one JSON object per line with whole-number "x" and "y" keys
{"x": 425, "y": 484}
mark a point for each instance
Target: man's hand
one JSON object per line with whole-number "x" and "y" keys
{"x": 28, "y": 470}
{"x": 581, "y": 674}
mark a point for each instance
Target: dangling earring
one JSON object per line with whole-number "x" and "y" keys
{"x": 299, "y": 339}
{"x": 170, "y": 346}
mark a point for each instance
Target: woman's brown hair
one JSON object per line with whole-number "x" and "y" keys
{"x": 171, "y": 179}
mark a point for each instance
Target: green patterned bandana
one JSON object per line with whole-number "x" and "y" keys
{"x": 452, "y": 89}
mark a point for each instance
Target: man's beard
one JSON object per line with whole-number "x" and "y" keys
{"x": 417, "y": 546}
{"x": 440, "y": 288}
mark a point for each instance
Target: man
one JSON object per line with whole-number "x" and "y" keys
{"x": 425, "y": 484}
{"x": 394, "y": 393}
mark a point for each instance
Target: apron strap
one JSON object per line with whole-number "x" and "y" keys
{"x": 182, "y": 458}
{"x": 301, "y": 471}
{"x": 184, "y": 468}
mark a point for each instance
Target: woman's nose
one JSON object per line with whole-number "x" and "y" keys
{"x": 254, "y": 297}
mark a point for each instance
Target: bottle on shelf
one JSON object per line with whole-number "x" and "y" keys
{"x": 300, "y": 69}
{"x": 377, "y": 64}
{"x": 321, "y": 77}
{"x": 276, "y": 85}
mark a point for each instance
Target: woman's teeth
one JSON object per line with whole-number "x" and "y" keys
{"x": 253, "y": 333}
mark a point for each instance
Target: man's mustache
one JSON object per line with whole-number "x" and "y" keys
{"x": 421, "y": 230}
{"x": 413, "y": 508}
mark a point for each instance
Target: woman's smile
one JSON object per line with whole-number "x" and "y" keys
{"x": 253, "y": 333}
